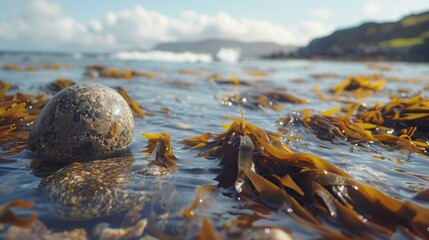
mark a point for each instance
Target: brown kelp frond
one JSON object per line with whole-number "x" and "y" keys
{"x": 369, "y": 127}
{"x": 38, "y": 230}
{"x": 32, "y": 68}
{"x": 17, "y": 113}
{"x": 203, "y": 194}
{"x": 233, "y": 80}
{"x": 180, "y": 83}
{"x": 188, "y": 72}
{"x": 258, "y": 75}
{"x": 372, "y": 205}
{"x": 55, "y": 66}
{"x": 274, "y": 99}
{"x": 406, "y": 117}
{"x": 360, "y": 86}
{"x": 8, "y": 217}
{"x": 318, "y": 94}
{"x": 208, "y": 231}
{"x": 307, "y": 188}
{"x": 198, "y": 142}
{"x": 161, "y": 144}
{"x": 131, "y": 232}
{"x": 405, "y": 112}
{"x": 324, "y": 75}
{"x": 98, "y": 70}
{"x": 216, "y": 145}
{"x": 327, "y": 126}
{"x": 422, "y": 196}
{"x": 196, "y": 213}
{"x": 59, "y": 85}
{"x": 137, "y": 110}
{"x": 380, "y": 66}
{"x": 12, "y": 67}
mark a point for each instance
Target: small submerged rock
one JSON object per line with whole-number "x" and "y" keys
{"x": 82, "y": 122}
{"x": 91, "y": 189}
{"x": 100, "y": 188}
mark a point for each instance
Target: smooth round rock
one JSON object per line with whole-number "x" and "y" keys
{"x": 82, "y": 122}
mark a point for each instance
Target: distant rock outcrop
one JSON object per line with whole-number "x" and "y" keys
{"x": 406, "y": 39}
{"x": 213, "y": 46}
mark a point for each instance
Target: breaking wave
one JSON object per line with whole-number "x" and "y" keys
{"x": 163, "y": 56}
{"x": 230, "y": 55}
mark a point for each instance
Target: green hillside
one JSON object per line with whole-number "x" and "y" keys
{"x": 406, "y": 39}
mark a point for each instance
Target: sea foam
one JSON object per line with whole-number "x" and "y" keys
{"x": 229, "y": 55}
{"x": 163, "y": 56}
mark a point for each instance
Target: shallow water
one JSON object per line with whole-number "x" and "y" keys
{"x": 197, "y": 109}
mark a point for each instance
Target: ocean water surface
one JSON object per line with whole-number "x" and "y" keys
{"x": 185, "y": 102}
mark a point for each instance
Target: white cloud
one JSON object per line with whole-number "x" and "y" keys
{"x": 45, "y": 25}
{"x": 313, "y": 29}
{"x": 371, "y": 9}
{"x": 321, "y": 13}
{"x": 392, "y": 10}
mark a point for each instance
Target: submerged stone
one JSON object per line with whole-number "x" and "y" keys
{"x": 100, "y": 188}
{"x": 90, "y": 189}
{"x": 82, "y": 122}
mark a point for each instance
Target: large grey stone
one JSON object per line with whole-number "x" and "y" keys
{"x": 82, "y": 122}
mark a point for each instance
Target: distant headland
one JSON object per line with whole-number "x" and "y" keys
{"x": 403, "y": 40}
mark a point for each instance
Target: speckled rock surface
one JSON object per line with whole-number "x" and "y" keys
{"x": 89, "y": 189}
{"x": 82, "y": 122}
{"x": 100, "y": 188}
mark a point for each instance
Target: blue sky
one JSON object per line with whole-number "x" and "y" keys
{"x": 112, "y": 24}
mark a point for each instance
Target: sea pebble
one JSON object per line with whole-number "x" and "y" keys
{"x": 82, "y": 122}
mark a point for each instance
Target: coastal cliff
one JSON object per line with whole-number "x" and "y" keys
{"x": 404, "y": 40}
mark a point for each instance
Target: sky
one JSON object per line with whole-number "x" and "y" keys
{"x": 109, "y": 25}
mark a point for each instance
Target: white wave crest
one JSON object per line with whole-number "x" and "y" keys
{"x": 163, "y": 56}
{"x": 77, "y": 55}
{"x": 230, "y": 55}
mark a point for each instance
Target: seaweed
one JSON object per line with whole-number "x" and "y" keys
{"x": 380, "y": 66}
{"x": 135, "y": 107}
{"x": 207, "y": 231}
{"x": 37, "y": 230}
{"x": 203, "y": 195}
{"x": 7, "y": 216}
{"x": 324, "y": 75}
{"x": 59, "y": 84}
{"x": 32, "y": 68}
{"x": 262, "y": 99}
{"x": 160, "y": 144}
{"x": 360, "y": 86}
{"x": 131, "y": 232}
{"x": 101, "y": 71}
{"x": 233, "y": 80}
{"x": 305, "y": 187}
{"x": 180, "y": 84}
{"x": 400, "y": 112}
{"x": 258, "y": 75}
{"x": 17, "y": 113}
{"x": 401, "y": 123}
{"x": 188, "y": 72}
